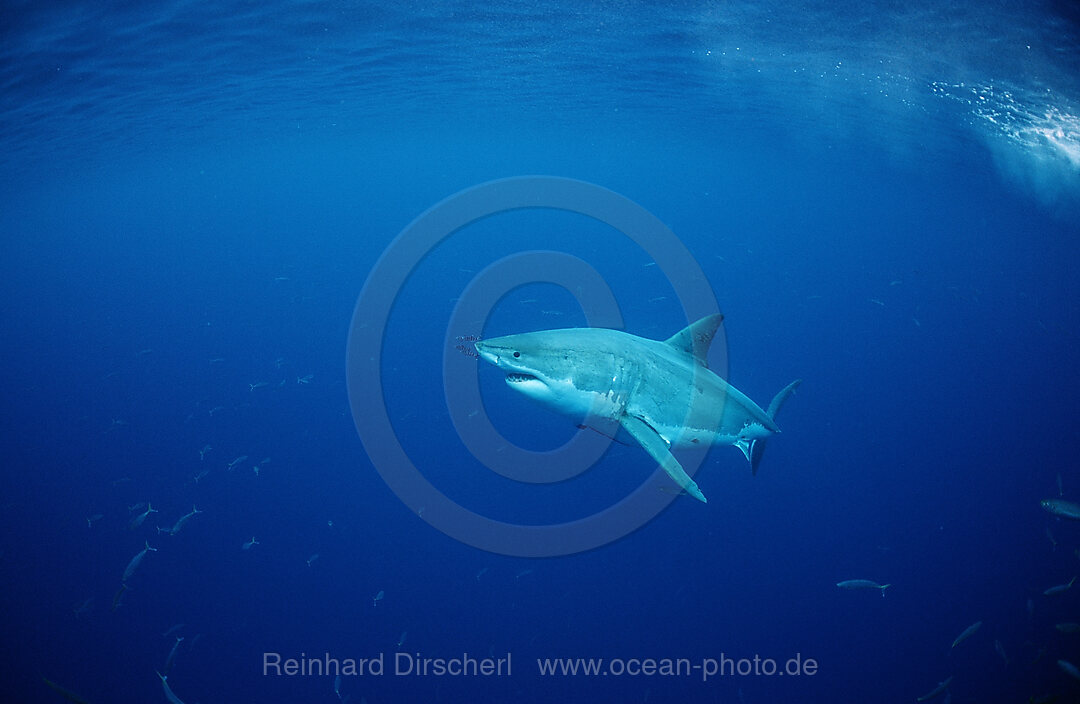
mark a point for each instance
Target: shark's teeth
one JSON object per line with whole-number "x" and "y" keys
{"x": 516, "y": 378}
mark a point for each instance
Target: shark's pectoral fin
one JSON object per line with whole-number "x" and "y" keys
{"x": 656, "y": 446}
{"x": 779, "y": 398}
{"x": 757, "y": 447}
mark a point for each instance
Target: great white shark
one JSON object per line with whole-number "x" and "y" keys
{"x": 661, "y": 392}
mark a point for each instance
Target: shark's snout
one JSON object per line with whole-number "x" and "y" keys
{"x": 498, "y": 355}
{"x": 506, "y": 359}
{"x": 486, "y": 353}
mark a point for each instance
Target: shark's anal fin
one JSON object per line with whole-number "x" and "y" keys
{"x": 658, "y": 448}
{"x": 757, "y": 447}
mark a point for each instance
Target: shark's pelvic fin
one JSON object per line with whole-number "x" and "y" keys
{"x": 695, "y": 339}
{"x": 657, "y": 447}
{"x": 757, "y": 447}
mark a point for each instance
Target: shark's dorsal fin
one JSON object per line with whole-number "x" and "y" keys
{"x": 695, "y": 339}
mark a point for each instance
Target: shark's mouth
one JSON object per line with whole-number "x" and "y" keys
{"x": 517, "y": 378}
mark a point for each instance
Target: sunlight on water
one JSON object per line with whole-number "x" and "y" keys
{"x": 1034, "y": 136}
{"x": 1034, "y": 122}
{"x": 1055, "y": 131}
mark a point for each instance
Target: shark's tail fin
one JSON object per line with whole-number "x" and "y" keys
{"x": 757, "y": 447}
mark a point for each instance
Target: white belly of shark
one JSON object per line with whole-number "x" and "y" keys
{"x": 660, "y": 391}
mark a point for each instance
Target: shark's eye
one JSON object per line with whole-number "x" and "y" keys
{"x": 517, "y": 354}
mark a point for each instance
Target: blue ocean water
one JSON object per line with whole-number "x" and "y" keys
{"x": 884, "y": 197}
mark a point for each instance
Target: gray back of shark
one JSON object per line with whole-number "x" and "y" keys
{"x": 660, "y": 391}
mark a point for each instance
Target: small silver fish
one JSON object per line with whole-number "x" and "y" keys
{"x": 1059, "y": 588}
{"x": 135, "y": 562}
{"x": 942, "y": 686}
{"x": 1069, "y": 669}
{"x": 967, "y": 633}
{"x": 863, "y": 584}
{"x": 1061, "y": 507}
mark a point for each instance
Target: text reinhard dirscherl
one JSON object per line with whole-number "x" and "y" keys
{"x": 403, "y": 665}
